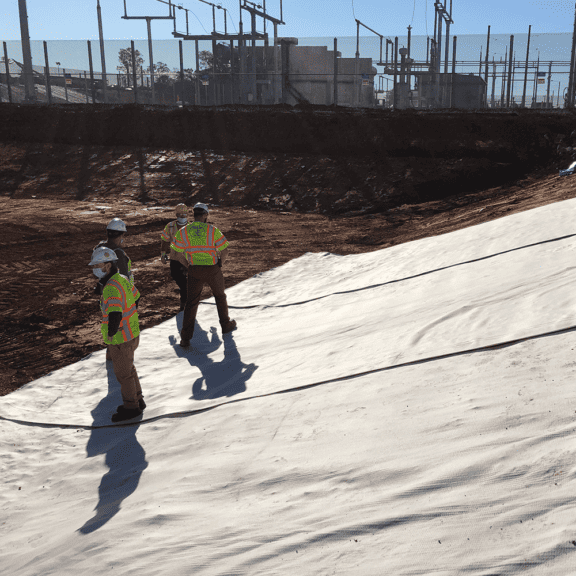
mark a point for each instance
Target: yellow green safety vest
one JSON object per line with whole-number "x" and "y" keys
{"x": 120, "y": 295}
{"x": 200, "y": 242}
{"x": 170, "y": 231}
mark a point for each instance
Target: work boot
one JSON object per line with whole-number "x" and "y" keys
{"x": 126, "y": 414}
{"x": 184, "y": 343}
{"x": 141, "y": 405}
{"x": 229, "y": 326}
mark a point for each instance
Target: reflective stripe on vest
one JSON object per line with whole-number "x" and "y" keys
{"x": 129, "y": 327}
{"x": 197, "y": 242}
{"x": 170, "y": 231}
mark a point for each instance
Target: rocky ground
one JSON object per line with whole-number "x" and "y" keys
{"x": 56, "y": 198}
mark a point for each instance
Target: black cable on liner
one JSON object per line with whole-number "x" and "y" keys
{"x": 186, "y": 413}
{"x": 394, "y": 281}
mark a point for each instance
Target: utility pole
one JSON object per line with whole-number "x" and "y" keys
{"x": 548, "y": 87}
{"x": 510, "y": 71}
{"x": 102, "y": 56}
{"x": 526, "y": 69}
{"x": 570, "y": 95}
{"x": 26, "y": 53}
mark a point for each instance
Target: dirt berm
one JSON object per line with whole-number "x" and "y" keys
{"x": 444, "y": 152}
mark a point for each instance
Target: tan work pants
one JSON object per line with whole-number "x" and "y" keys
{"x": 123, "y": 361}
{"x": 197, "y": 277}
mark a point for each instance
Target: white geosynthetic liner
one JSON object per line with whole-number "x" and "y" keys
{"x": 460, "y": 465}
{"x": 323, "y": 316}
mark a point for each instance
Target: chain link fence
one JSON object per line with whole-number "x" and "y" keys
{"x": 265, "y": 75}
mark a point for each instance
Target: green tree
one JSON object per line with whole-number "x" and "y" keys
{"x": 162, "y": 71}
{"x": 206, "y": 59}
{"x": 125, "y": 57}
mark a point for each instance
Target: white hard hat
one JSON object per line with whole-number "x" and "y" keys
{"x": 201, "y": 206}
{"x": 103, "y": 254}
{"x": 181, "y": 208}
{"x": 116, "y": 224}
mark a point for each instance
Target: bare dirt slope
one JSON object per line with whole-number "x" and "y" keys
{"x": 56, "y": 199}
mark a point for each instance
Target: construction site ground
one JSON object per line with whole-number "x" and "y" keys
{"x": 58, "y": 193}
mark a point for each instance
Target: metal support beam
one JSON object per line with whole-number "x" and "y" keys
{"x": 47, "y": 74}
{"x": 7, "y": 73}
{"x": 102, "y": 56}
{"x": 509, "y": 91}
{"x": 526, "y": 69}
{"x": 29, "y": 90}
{"x": 93, "y": 88}
{"x": 570, "y": 94}
{"x": 134, "y": 77}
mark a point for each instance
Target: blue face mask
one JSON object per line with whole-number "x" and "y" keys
{"x": 98, "y": 272}
{"x": 182, "y": 221}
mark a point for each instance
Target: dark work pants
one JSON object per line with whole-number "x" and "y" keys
{"x": 197, "y": 277}
{"x": 178, "y": 273}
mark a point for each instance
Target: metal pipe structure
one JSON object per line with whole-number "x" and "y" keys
{"x": 335, "y": 72}
{"x": 181, "y": 72}
{"x": 548, "y": 87}
{"x": 102, "y": 56}
{"x": 526, "y": 69}
{"x": 93, "y": 88}
{"x": 446, "y": 51}
{"x": 503, "y": 90}
{"x": 395, "y": 74}
{"x": 29, "y": 90}
{"x": 47, "y": 74}
{"x": 570, "y": 96}
{"x": 493, "y": 82}
{"x": 510, "y": 71}
{"x": 65, "y": 84}
{"x": 7, "y": 73}
{"x": 453, "y": 71}
{"x": 151, "y": 57}
{"x": 357, "y": 65}
{"x": 486, "y": 72}
{"x": 536, "y": 78}
{"x": 134, "y": 77}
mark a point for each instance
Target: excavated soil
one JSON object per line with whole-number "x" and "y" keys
{"x": 281, "y": 182}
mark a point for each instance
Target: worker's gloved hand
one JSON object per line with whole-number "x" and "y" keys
{"x": 114, "y": 320}
{"x": 164, "y": 258}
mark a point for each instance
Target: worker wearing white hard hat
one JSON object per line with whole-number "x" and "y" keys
{"x": 178, "y": 269}
{"x": 120, "y": 329}
{"x": 204, "y": 249}
{"x": 115, "y": 232}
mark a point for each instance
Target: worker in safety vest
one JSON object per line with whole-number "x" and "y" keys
{"x": 115, "y": 239}
{"x": 178, "y": 271}
{"x": 203, "y": 248}
{"x": 120, "y": 329}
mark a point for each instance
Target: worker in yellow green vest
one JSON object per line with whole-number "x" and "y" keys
{"x": 203, "y": 248}
{"x": 120, "y": 329}
{"x": 178, "y": 271}
{"x": 115, "y": 232}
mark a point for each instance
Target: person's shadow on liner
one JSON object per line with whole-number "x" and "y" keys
{"x": 227, "y": 377}
{"x": 124, "y": 456}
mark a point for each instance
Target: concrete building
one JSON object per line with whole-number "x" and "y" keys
{"x": 466, "y": 91}
{"x": 292, "y": 74}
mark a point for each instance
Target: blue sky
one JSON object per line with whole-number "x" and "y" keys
{"x": 76, "y": 19}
